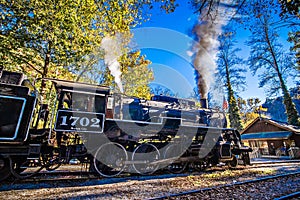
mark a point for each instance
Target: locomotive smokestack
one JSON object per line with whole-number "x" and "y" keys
{"x": 204, "y": 103}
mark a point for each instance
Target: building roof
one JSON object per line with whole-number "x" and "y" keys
{"x": 282, "y": 125}
{"x": 267, "y": 135}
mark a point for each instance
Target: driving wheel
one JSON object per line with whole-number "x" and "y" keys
{"x": 109, "y": 159}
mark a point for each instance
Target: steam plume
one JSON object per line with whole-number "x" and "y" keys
{"x": 112, "y": 48}
{"x": 207, "y": 30}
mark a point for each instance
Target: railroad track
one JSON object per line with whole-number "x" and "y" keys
{"x": 273, "y": 164}
{"x": 289, "y": 196}
{"x": 83, "y": 175}
{"x": 229, "y": 187}
{"x": 133, "y": 186}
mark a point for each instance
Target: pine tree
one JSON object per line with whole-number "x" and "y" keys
{"x": 268, "y": 55}
{"x": 230, "y": 68}
{"x": 233, "y": 111}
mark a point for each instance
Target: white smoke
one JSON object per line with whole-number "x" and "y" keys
{"x": 207, "y": 30}
{"x": 113, "y": 50}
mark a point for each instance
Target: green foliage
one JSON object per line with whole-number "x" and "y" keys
{"x": 40, "y": 35}
{"x": 233, "y": 111}
{"x": 47, "y": 38}
{"x": 136, "y": 75}
{"x": 292, "y": 114}
{"x": 119, "y": 16}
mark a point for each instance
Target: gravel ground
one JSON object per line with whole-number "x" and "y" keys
{"x": 263, "y": 190}
{"x": 155, "y": 186}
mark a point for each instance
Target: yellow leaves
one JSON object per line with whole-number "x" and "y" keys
{"x": 266, "y": 171}
{"x": 119, "y": 16}
{"x": 135, "y": 75}
{"x": 262, "y": 109}
{"x": 74, "y": 28}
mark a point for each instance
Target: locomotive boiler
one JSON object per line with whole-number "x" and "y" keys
{"x": 111, "y": 133}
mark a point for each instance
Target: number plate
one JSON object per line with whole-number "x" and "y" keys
{"x": 79, "y": 121}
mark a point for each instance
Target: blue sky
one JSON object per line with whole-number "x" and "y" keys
{"x": 168, "y": 51}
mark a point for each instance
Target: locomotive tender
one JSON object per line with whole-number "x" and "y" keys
{"x": 111, "y": 133}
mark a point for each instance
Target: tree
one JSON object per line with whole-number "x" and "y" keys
{"x": 230, "y": 66}
{"x": 268, "y": 57}
{"x": 92, "y": 68}
{"x": 295, "y": 91}
{"x": 276, "y": 109}
{"x": 157, "y": 89}
{"x": 136, "y": 75}
{"x": 290, "y": 13}
{"x": 249, "y": 109}
{"x": 294, "y": 37}
{"x": 231, "y": 70}
{"x": 42, "y": 34}
{"x": 291, "y": 7}
{"x": 233, "y": 111}
{"x": 210, "y": 7}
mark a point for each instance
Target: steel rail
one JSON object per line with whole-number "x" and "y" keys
{"x": 289, "y": 196}
{"x": 225, "y": 185}
{"x": 65, "y": 175}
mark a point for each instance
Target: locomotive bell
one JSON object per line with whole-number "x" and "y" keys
{"x": 204, "y": 103}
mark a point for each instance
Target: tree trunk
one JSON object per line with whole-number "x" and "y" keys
{"x": 290, "y": 108}
{"x": 45, "y": 71}
{"x": 291, "y": 112}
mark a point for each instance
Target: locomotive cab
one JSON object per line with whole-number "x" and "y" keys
{"x": 18, "y": 99}
{"x": 78, "y": 113}
{"x": 81, "y": 107}
{"x": 17, "y": 102}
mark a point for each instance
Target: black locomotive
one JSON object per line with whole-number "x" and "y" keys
{"x": 111, "y": 133}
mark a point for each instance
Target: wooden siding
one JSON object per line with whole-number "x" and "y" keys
{"x": 262, "y": 126}
{"x": 296, "y": 138}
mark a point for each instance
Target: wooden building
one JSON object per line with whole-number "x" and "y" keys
{"x": 271, "y": 137}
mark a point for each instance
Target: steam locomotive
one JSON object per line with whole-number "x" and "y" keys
{"x": 111, "y": 133}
